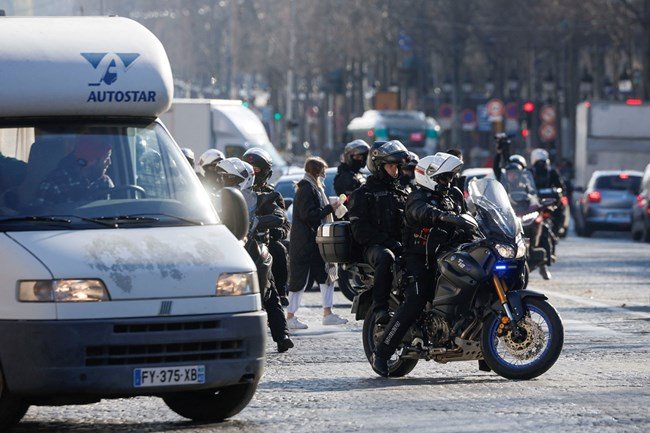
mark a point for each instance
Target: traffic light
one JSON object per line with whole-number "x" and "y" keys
{"x": 529, "y": 107}
{"x": 527, "y": 123}
{"x": 277, "y": 116}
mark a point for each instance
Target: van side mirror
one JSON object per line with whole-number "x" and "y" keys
{"x": 234, "y": 212}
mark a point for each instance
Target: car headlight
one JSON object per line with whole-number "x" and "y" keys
{"x": 506, "y": 251}
{"x": 237, "y": 284}
{"x": 62, "y": 291}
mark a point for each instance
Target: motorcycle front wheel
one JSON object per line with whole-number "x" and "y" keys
{"x": 372, "y": 332}
{"x": 530, "y": 350}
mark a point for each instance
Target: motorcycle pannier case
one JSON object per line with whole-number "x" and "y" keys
{"x": 335, "y": 243}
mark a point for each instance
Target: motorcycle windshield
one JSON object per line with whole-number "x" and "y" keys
{"x": 493, "y": 209}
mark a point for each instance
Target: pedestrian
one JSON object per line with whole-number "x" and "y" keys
{"x": 265, "y": 215}
{"x": 306, "y": 266}
{"x": 430, "y": 219}
{"x": 376, "y": 210}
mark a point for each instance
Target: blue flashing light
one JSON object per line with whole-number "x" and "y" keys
{"x": 500, "y": 267}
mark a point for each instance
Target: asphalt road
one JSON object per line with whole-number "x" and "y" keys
{"x": 601, "y": 382}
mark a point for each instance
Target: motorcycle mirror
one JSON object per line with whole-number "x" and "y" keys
{"x": 234, "y": 212}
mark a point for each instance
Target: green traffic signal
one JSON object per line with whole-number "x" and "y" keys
{"x": 277, "y": 116}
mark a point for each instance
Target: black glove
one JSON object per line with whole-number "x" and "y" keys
{"x": 457, "y": 220}
{"x": 277, "y": 233}
{"x": 395, "y": 247}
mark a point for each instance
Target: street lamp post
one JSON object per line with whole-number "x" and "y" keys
{"x": 548, "y": 87}
{"x": 586, "y": 84}
{"x": 513, "y": 85}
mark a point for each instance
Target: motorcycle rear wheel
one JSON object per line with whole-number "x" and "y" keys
{"x": 372, "y": 332}
{"x": 530, "y": 354}
{"x": 349, "y": 283}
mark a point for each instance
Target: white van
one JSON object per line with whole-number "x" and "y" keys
{"x": 121, "y": 282}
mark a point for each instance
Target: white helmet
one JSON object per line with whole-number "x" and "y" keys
{"x": 431, "y": 167}
{"x": 210, "y": 158}
{"x": 235, "y": 172}
{"x": 538, "y": 155}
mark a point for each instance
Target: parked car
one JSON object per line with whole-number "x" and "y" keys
{"x": 606, "y": 203}
{"x": 641, "y": 210}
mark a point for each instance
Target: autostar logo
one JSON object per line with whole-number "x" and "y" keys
{"x": 110, "y": 67}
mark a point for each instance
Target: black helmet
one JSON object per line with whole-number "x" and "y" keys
{"x": 386, "y": 152}
{"x": 356, "y": 147}
{"x": 260, "y": 158}
{"x": 412, "y": 161}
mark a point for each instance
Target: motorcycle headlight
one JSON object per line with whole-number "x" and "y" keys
{"x": 506, "y": 251}
{"x": 62, "y": 291}
{"x": 237, "y": 284}
{"x": 521, "y": 247}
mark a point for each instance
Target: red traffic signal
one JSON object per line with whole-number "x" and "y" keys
{"x": 529, "y": 107}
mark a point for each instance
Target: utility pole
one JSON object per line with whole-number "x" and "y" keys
{"x": 290, "y": 78}
{"x": 234, "y": 55}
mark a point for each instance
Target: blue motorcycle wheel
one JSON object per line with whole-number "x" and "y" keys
{"x": 533, "y": 350}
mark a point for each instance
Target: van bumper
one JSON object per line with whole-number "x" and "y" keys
{"x": 99, "y": 357}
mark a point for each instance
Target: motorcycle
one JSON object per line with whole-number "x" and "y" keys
{"x": 558, "y": 216}
{"x": 481, "y": 309}
{"x": 535, "y": 216}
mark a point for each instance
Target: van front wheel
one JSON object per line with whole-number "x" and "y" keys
{"x": 12, "y": 408}
{"x": 213, "y": 405}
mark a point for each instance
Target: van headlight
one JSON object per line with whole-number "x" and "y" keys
{"x": 62, "y": 291}
{"x": 237, "y": 284}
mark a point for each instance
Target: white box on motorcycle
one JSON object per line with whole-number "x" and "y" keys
{"x": 336, "y": 244}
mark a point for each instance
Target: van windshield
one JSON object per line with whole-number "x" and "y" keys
{"x": 89, "y": 174}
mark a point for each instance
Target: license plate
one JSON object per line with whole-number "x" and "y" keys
{"x": 618, "y": 217}
{"x": 165, "y": 376}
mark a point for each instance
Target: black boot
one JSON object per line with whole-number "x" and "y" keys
{"x": 482, "y": 365}
{"x": 380, "y": 364}
{"x": 284, "y": 345}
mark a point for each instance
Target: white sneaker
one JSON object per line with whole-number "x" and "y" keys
{"x": 334, "y": 319}
{"x": 294, "y": 323}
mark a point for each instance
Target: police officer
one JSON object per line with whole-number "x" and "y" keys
{"x": 265, "y": 214}
{"x": 407, "y": 178}
{"x": 375, "y": 213}
{"x": 262, "y": 163}
{"x": 548, "y": 177}
{"x": 431, "y": 220}
{"x": 207, "y": 165}
{"x": 348, "y": 176}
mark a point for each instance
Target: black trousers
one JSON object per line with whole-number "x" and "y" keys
{"x": 280, "y": 266}
{"x": 381, "y": 259}
{"x": 277, "y": 321}
{"x": 416, "y": 296}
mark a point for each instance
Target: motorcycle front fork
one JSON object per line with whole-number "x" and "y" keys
{"x": 501, "y": 290}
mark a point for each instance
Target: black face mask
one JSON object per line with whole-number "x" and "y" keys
{"x": 357, "y": 165}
